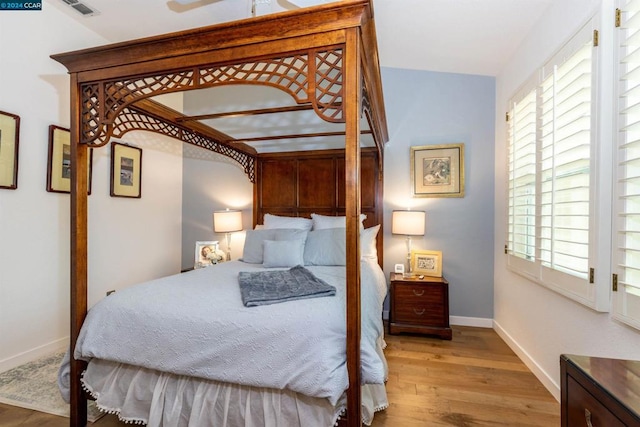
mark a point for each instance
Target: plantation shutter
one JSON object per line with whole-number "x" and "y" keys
{"x": 522, "y": 177}
{"x": 626, "y": 298}
{"x": 565, "y": 163}
{"x": 552, "y": 212}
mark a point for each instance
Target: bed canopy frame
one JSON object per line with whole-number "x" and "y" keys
{"x": 325, "y": 57}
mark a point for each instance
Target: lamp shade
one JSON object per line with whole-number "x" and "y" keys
{"x": 408, "y": 223}
{"x": 227, "y": 221}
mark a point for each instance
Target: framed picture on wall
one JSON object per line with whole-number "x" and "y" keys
{"x": 59, "y": 161}
{"x": 438, "y": 170}
{"x": 428, "y": 263}
{"x": 9, "y": 139}
{"x": 126, "y": 168}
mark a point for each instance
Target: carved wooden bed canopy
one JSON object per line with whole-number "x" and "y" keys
{"x": 324, "y": 57}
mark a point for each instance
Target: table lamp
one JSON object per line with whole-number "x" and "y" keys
{"x": 408, "y": 223}
{"x": 227, "y": 221}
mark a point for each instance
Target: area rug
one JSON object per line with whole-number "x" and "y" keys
{"x": 34, "y": 386}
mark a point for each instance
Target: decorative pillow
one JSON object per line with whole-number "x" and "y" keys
{"x": 253, "y": 248}
{"x": 283, "y": 253}
{"x": 253, "y": 251}
{"x": 276, "y": 221}
{"x": 368, "y": 248}
{"x": 326, "y": 247}
{"x": 321, "y": 222}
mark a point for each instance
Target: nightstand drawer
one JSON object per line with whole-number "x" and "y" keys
{"x": 417, "y": 304}
{"x": 419, "y": 314}
{"x": 585, "y": 410}
{"x": 418, "y": 293}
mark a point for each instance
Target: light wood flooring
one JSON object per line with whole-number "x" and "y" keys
{"x": 473, "y": 380}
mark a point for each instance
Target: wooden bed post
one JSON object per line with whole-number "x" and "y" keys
{"x": 352, "y": 109}
{"x": 79, "y": 188}
{"x": 325, "y": 58}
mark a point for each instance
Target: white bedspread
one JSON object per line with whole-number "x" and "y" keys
{"x": 195, "y": 324}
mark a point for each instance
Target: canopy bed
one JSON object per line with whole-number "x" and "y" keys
{"x": 324, "y": 57}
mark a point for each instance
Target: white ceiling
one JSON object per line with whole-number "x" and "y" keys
{"x": 458, "y": 36}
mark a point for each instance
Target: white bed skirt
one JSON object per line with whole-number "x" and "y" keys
{"x": 144, "y": 396}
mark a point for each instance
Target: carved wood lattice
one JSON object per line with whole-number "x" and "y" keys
{"x": 288, "y": 74}
{"x": 131, "y": 119}
{"x": 367, "y": 110}
{"x": 106, "y": 112}
{"x": 102, "y": 101}
{"x": 328, "y": 86}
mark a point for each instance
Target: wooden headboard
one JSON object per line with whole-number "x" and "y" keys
{"x": 304, "y": 182}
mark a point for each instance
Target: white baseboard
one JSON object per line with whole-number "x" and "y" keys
{"x": 479, "y": 322}
{"x": 541, "y": 374}
{"x": 33, "y": 354}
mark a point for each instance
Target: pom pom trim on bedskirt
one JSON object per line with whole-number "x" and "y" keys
{"x": 144, "y": 396}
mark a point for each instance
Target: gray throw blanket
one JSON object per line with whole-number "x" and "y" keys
{"x": 272, "y": 287}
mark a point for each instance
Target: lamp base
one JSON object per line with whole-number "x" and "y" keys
{"x": 228, "y": 238}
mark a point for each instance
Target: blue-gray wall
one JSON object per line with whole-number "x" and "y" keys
{"x": 425, "y": 108}
{"x": 422, "y": 108}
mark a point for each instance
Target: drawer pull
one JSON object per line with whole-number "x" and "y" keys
{"x": 419, "y": 312}
{"x": 587, "y": 417}
{"x": 418, "y": 294}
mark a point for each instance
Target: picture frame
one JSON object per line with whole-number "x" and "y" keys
{"x": 59, "y": 161}
{"x": 437, "y": 170}
{"x": 126, "y": 171}
{"x": 207, "y": 253}
{"x": 9, "y": 143}
{"x": 427, "y": 263}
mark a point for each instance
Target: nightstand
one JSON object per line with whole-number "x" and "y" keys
{"x": 419, "y": 306}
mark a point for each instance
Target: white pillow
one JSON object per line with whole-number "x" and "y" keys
{"x": 321, "y": 222}
{"x": 368, "y": 248}
{"x": 325, "y": 247}
{"x": 290, "y": 234}
{"x": 328, "y": 246}
{"x": 276, "y": 221}
{"x": 253, "y": 251}
{"x": 283, "y": 253}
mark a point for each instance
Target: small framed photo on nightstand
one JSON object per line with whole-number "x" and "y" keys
{"x": 207, "y": 253}
{"x": 427, "y": 263}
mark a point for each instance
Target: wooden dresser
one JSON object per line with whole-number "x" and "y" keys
{"x": 599, "y": 392}
{"x": 419, "y": 306}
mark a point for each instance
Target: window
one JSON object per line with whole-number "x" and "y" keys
{"x": 522, "y": 176}
{"x": 565, "y": 151}
{"x": 552, "y": 138}
{"x": 626, "y": 298}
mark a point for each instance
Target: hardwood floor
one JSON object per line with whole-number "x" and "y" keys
{"x": 473, "y": 380}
